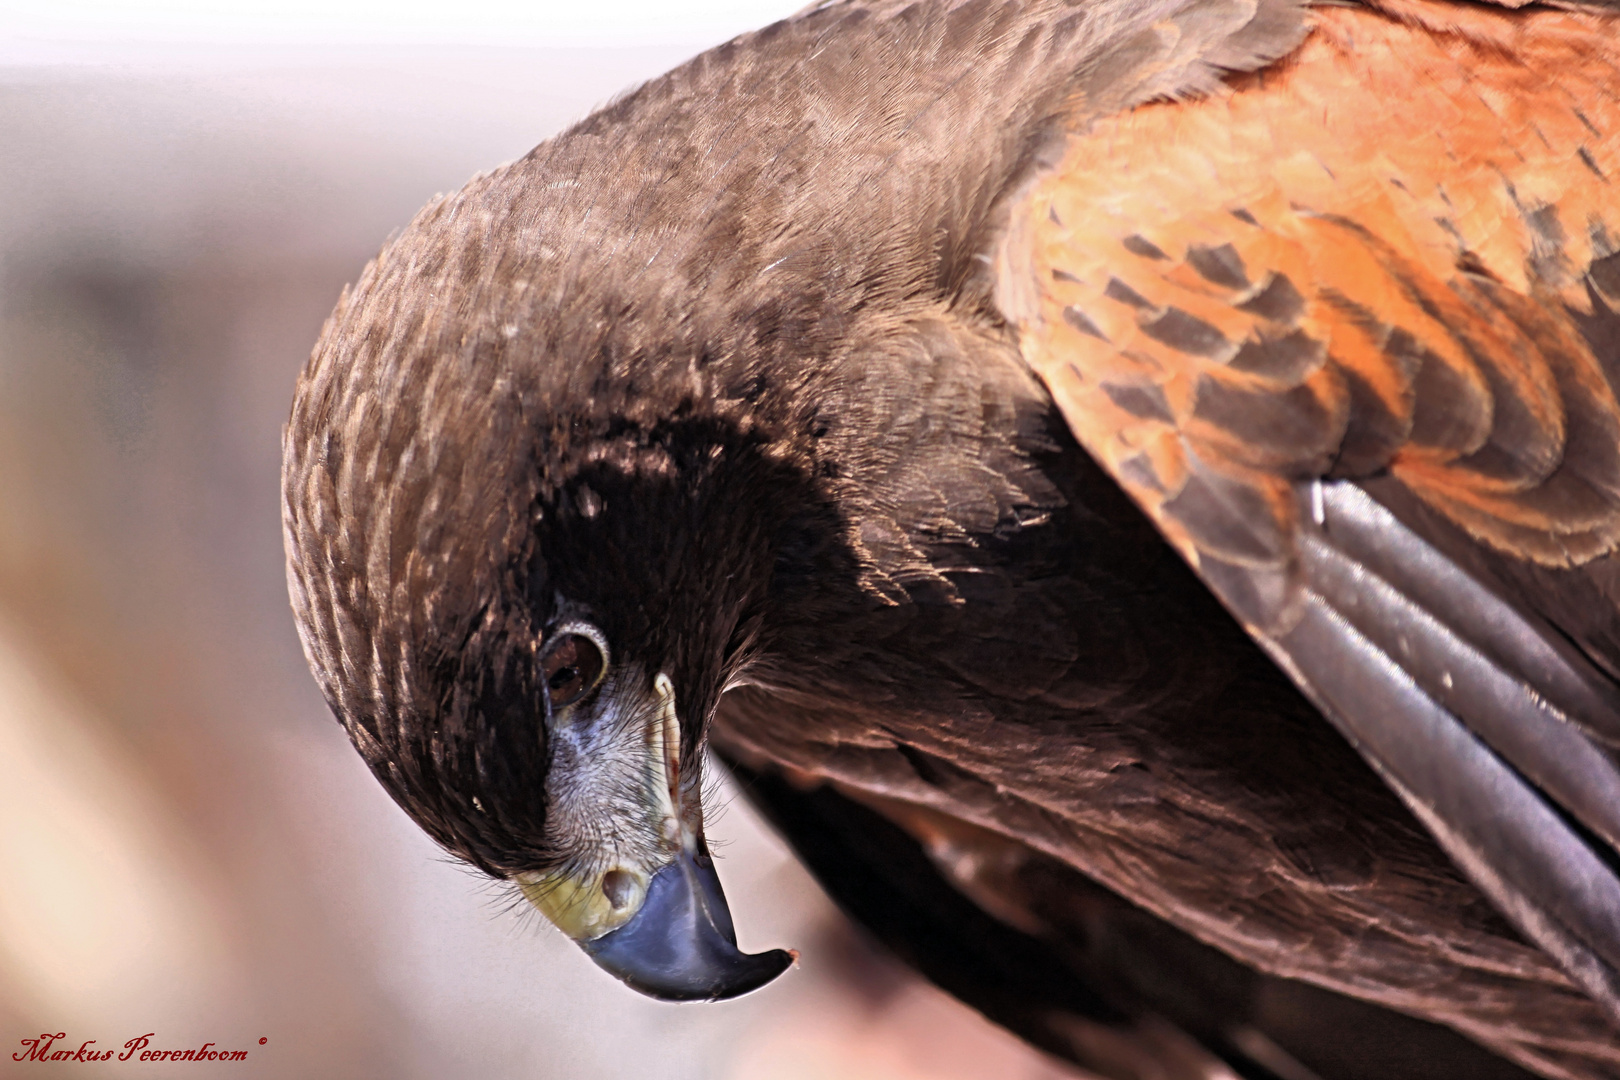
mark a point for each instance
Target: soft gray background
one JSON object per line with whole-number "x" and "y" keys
{"x": 187, "y": 844}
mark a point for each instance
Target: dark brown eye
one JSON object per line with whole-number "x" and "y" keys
{"x": 572, "y": 667}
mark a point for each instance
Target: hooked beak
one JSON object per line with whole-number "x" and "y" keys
{"x": 644, "y": 901}
{"x": 681, "y": 946}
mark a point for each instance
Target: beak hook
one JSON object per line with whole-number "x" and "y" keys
{"x": 681, "y": 945}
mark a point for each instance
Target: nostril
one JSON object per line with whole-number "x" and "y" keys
{"x": 619, "y": 887}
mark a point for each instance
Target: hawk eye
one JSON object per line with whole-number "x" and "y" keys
{"x": 573, "y": 666}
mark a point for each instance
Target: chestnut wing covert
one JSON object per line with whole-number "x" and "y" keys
{"x": 1355, "y": 354}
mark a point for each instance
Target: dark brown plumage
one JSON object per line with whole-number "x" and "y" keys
{"x": 810, "y": 374}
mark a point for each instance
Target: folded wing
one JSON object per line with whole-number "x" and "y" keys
{"x": 1347, "y": 331}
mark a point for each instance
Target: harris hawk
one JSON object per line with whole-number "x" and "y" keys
{"x": 1131, "y": 486}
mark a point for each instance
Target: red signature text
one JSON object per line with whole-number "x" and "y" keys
{"x": 49, "y": 1047}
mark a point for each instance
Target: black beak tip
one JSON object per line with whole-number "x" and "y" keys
{"x": 680, "y": 946}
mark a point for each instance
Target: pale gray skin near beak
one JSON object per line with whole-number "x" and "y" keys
{"x": 636, "y": 888}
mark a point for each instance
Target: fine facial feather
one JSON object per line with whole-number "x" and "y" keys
{"x": 771, "y": 290}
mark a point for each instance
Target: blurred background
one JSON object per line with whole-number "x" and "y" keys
{"x": 188, "y": 846}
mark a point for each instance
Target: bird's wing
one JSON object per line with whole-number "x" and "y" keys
{"x": 1043, "y": 950}
{"x": 1347, "y": 331}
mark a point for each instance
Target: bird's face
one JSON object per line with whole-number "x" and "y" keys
{"x": 634, "y": 616}
{"x": 527, "y": 652}
{"x": 613, "y": 784}
{"x": 632, "y": 880}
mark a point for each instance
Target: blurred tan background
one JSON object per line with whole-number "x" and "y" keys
{"x": 188, "y": 846}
